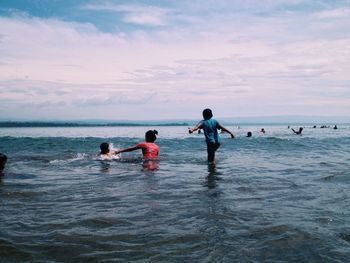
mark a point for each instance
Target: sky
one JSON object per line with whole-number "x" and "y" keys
{"x": 149, "y": 60}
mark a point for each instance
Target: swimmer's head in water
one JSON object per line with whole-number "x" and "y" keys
{"x": 150, "y": 135}
{"x": 3, "y": 160}
{"x": 249, "y": 134}
{"x": 207, "y": 114}
{"x": 104, "y": 148}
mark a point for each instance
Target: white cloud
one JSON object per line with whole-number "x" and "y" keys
{"x": 254, "y": 66}
{"x": 334, "y": 13}
{"x": 135, "y": 14}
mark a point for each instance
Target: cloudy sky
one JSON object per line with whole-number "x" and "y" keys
{"x": 146, "y": 60}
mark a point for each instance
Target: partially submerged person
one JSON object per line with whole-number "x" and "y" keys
{"x": 3, "y": 160}
{"x": 210, "y": 127}
{"x": 150, "y": 150}
{"x": 249, "y": 134}
{"x": 299, "y": 131}
{"x": 263, "y": 131}
{"x": 106, "y": 151}
{"x": 335, "y": 127}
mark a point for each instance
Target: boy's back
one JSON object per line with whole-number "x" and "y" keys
{"x": 210, "y": 130}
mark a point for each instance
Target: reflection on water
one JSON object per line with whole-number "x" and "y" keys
{"x": 105, "y": 166}
{"x": 212, "y": 177}
{"x": 150, "y": 165}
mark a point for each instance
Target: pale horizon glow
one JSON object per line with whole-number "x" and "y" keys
{"x": 154, "y": 60}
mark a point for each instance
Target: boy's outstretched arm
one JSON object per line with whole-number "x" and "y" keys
{"x": 127, "y": 150}
{"x": 197, "y": 127}
{"x": 225, "y": 130}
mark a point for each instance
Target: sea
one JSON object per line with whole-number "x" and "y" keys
{"x": 273, "y": 197}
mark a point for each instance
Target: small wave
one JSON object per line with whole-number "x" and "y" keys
{"x": 108, "y": 157}
{"x": 136, "y": 160}
{"x": 345, "y": 236}
{"x": 24, "y": 194}
{"x": 104, "y": 222}
{"x": 22, "y": 176}
{"x": 9, "y": 252}
{"x": 77, "y": 157}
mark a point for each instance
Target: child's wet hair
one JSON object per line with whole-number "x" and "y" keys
{"x": 151, "y": 135}
{"x": 104, "y": 147}
{"x": 3, "y": 158}
{"x": 207, "y": 114}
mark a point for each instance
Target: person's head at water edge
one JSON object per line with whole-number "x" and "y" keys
{"x": 3, "y": 160}
{"x": 150, "y": 136}
{"x": 104, "y": 147}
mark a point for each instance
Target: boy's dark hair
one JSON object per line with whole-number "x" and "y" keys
{"x": 104, "y": 147}
{"x": 3, "y": 158}
{"x": 151, "y": 135}
{"x": 207, "y": 114}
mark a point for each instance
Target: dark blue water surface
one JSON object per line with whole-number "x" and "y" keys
{"x": 277, "y": 197}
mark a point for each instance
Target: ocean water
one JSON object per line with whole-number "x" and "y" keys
{"x": 277, "y": 197}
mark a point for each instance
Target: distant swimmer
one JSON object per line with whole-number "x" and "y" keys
{"x": 106, "y": 152}
{"x": 149, "y": 149}
{"x": 299, "y": 131}
{"x": 249, "y": 134}
{"x": 335, "y": 127}
{"x": 263, "y": 131}
{"x": 3, "y": 160}
{"x": 315, "y": 127}
{"x": 210, "y": 127}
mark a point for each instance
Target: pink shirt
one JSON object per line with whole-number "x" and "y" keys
{"x": 149, "y": 150}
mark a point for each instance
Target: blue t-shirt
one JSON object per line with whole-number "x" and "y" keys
{"x": 210, "y": 128}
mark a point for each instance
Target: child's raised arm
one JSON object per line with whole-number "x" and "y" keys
{"x": 225, "y": 130}
{"x": 197, "y": 127}
{"x": 127, "y": 150}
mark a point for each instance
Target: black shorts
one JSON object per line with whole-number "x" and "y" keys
{"x": 212, "y": 146}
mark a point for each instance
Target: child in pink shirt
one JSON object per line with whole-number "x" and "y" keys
{"x": 149, "y": 149}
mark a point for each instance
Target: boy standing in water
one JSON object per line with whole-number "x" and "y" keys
{"x": 210, "y": 127}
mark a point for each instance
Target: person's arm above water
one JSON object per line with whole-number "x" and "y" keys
{"x": 197, "y": 127}
{"x": 294, "y": 131}
{"x": 225, "y": 130}
{"x": 128, "y": 149}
